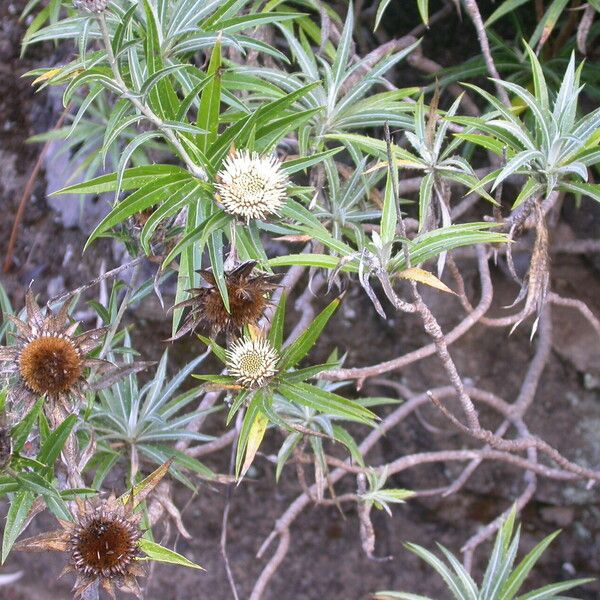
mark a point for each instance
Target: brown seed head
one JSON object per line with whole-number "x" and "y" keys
{"x": 247, "y": 301}
{"x": 104, "y": 544}
{"x": 50, "y": 365}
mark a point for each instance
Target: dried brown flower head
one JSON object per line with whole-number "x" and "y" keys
{"x": 247, "y": 301}
{"x": 104, "y": 546}
{"x": 102, "y": 541}
{"x": 48, "y": 359}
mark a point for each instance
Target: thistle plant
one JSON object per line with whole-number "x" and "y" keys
{"x": 502, "y": 579}
{"x": 258, "y": 156}
{"x": 144, "y": 422}
{"x": 104, "y": 541}
{"x": 551, "y": 146}
{"x": 259, "y": 369}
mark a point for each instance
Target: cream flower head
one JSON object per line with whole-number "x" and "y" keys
{"x": 251, "y": 186}
{"x": 252, "y": 361}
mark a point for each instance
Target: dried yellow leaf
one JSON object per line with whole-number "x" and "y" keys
{"x": 425, "y": 277}
{"x": 255, "y": 437}
{"x": 52, "y": 73}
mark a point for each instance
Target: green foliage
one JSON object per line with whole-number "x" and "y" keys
{"x": 156, "y": 552}
{"x": 381, "y": 497}
{"x": 160, "y": 92}
{"x": 502, "y": 580}
{"x": 146, "y": 422}
{"x": 289, "y": 384}
{"x": 550, "y": 146}
{"x": 31, "y": 477}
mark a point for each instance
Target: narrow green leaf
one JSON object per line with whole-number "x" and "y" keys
{"x": 15, "y": 520}
{"x": 210, "y": 100}
{"x": 507, "y": 7}
{"x": 20, "y": 432}
{"x": 425, "y": 192}
{"x": 383, "y": 4}
{"x": 549, "y": 591}
{"x": 158, "y": 553}
{"x": 53, "y": 446}
{"x": 162, "y": 98}
{"x": 440, "y": 568}
{"x": 255, "y": 437}
{"x": 36, "y": 484}
{"x": 423, "y": 6}
{"x": 389, "y": 215}
{"x": 217, "y": 350}
{"x": 299, "y": 164}
{"x": 277, "y": 322}
{"x": 516, "y": 579}
{"x": 546, "y": 25}
{"x": 326, "y": 402}
{"x": 300, "y": 347}
{"x": 252, "y": 411}
{"x": 133, "y": 178}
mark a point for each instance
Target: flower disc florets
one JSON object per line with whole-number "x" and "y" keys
{"x": 251, "y": 186}
{"x": 50, "y": 365}
{"x": 252, "y": 362}
{"x": 104, "y": 543}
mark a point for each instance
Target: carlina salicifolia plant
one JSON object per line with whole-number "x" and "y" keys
{"x": 259, "y": 368}
{"x": 502, "y": 580}
{"x": 247, "y": 291}
{"x": 47, "y": 359}
{"x": 105, "y": 541}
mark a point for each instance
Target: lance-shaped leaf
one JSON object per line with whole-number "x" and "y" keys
{"x": 158, "y": 553}
{"x": 300, "y": 347}
{"x": 425, "y": 277}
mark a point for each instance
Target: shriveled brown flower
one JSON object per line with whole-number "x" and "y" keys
{"x": 247, "y": 301}
{"x": 102, "y": 543}
{"x": 48, "y": 359}
{"x": 102, "y": 540}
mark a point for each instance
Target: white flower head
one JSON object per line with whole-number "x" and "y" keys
{"x": 251, "y": 186}
{"x": 252, "y": 362}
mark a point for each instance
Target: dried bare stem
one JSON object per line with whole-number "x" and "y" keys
{"x": 484, "y": 44}
{"x": 363, "y": 373}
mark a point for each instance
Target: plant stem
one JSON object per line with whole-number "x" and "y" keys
{"x": 122, "y": 308}
{"x": 195, "y": 169}
{"x": 473, "y": 10}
